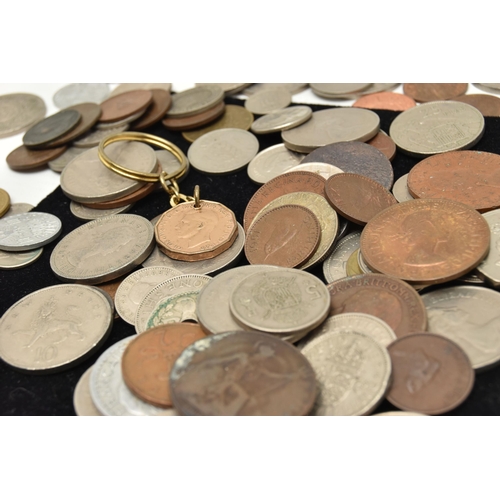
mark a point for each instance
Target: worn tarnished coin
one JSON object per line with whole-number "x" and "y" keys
{"x": 425, "y": 241}
{"x": 470, "y": 316}
{"x": 195, "y": 100}
{"x": 123, "y": 106}
{"x": 356, "y": 197}
{"x": 194, "y": 121}
{"x": 161, "y": 103}
{"x": 60, "y": 162}
{"x": 437, "y": 127}
{"x": 431, "y": 374}
{"x": 136, "y": 286}
{"x": 55, "y": 327}
{"x": 149, "y": 357}
{"x": 489, "y": 268}
{"x": 400, "y": 189}
{"x": 103, "y": 249}
{"x": 489, "y": 105}
{"x": 82, "y": 400}
{"x": 175, "y": 309}
{"x": 384, "y": 144}
{"x": 4, "y": 202}
{"x": 353, "y": 369}
{"x": 427, "y": 92}
{"x": 470, "y": 177}
{"x": 95, "y": 136}
{"x": 85, "y": 213}
{"x": 268, "y": 101}
{"x": 282, "y": 119}
{"x": 385, "y": 100}
{"x": 271, "y": 162}
{"x": 50, "y": 128}
{"x": 17, "y": 260}
{"x": 223, "y": 151}
{"x": 283, "y": 236}
{"x": 19, "y": 111}
{"x": 27, "y": 231}
{"x": 77, "y": 93}
{"x": 356, "y": 158}
{"x": 338, "y": 90}
{"x": 332, "y": 125}
{"x": 23, "y": 158}
{"x": 127, "y": 87}
{"x": 324, "y": 169}
{"x": 390, "y": 299}
{"x": 335, "y": 266}
{"x": 242, "y": 373}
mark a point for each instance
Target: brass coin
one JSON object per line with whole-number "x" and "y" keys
{"x": 23, "y": 158}
{"x": 162, "y": 100}
{"x": 121, "y": 106}
{"x": 489, "y": 105}
{"x": 4, "y": 202}
{"x": 352, "y": 267}
{"x": 194, "y": 121}
{"x": 50, "y": 128}
{"x": 427, "y": 92}
{"x": 385, "y": 100}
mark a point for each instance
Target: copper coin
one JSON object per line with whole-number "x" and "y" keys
{"x": 162, "y": 100}
{"x": 384, "y": 144}
{"x": 390, "y": 299}
{"x": 195, "y": 121}
{"x": 356, "y": 197}
{"x": 356, "y": 158}
{"x": 242, "y": 373}
{"x": 137, "y": 195}
{"x": 23, "y": 158}
{"x": 489, "y": 105}
{"x": 149, "y": 357}
{"x": 431, "y": 374}
{"x": 122, "y": 106}
{"x": 51, "y": 128}
{"x": 470, "y": 177}
{"x": 282, "y": 184}
{"x": 385, "y": 100}
{"x": 425, "y": 241}
{"x": 427, "y": 92}
{"x": 285, "y": 236}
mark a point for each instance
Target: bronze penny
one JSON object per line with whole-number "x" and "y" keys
{"x": 282, "y": 184}
{"x": 136, "y": 195}
{"x": 122, "y": 106}
{"x": 162, "y": 100}
{"x": 51, "y": 128}
{"x": 242, "y": 373}
{"x": 195, "y": 121}
{"x": 489, "y": 105}
{"x": 390, "y": 299}
{"x": 431, "y": 374}
{"x": 427, "y": 92}
{"x": 149, "y": 357}
{"x": 356, "y": 158}
{"x": 425, "y": 241}
{"x": 384, "y": 144}
{"x": 357, "y": 197}
{"x": 385, "y": 100}
{"x": 23, "y": 158}
{"x": 285, "y": 236}
{"x": 470, "y": 177}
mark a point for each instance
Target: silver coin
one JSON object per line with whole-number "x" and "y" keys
{"x": 285, "y": 301}
{"x": 338, "y": 90}
{"x": 472, "y": 278}
{"x": 332, "y": 125}
{"x": 379, "y": 87}
{"x": 19, "y": 111}
{"x": 195, "y": 100}
{"x": 362, "y": 264}
{"x": 437, "y": 127}
{"x": 324, "y": 169}
{"x": 400, "y": 189}
{"x": 293, "y": 88}
{"x": 95, "y": 136}
{"x": 282, "y": 119}
{"x": 170, "y": 163}
{"x": 136, "y": 286}
{"x": 27, "y": 231}
{"x": 18, "y": 260}
{"x": 120, "y": 123}
{"x": 86, "y": 179}
{"x": 223, "y": 151}
{"x": 335, "y": 267}
{"x": 470, "y": 316}
{"x": 127, "y": 87}
{"x": 85, "y": 213}
{"x": 18, "y": 208}
{"x": 488, "y": 87}
{"x": 103, "y": 249}
{"x": 53, "y": 328}
{"x": 166, "y": 289}
{"x": 399, "y": 414}
{"x": 109, "y": 392}
{"x": 489, "y": 268}
{"x": 82, "y": 400}
{"x": 229, "y": 88}
{"x": 175, "y": 309}
{"x": 77, "y": 93}
{"x": 268, "y": 101}
{"x": 353, "y": 370}
{"x": 60, "y": 162}
{"x": 51, "y": 128}
{"x": 272, "y": 162}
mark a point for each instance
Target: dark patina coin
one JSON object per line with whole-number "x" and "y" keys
{"x": 51, "y": 128}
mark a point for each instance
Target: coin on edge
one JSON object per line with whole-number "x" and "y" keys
{"x": 283, "y": 119}
{"x": 18, "y": 260}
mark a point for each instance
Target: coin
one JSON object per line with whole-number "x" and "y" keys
{"x": 169, "y": 163}
{"x": 17, "y": 260}
{"x": 19, "y": 208}
{"x": 378, "y": 87}
{"x": 195, "y": 121}
{"x": 283, "y": 119}
{"x": 426, "y": 92}
{"x": 55, "y": 327}
{"x": 488, "y": 87}
{"x": 324, "y": 169}
{"x": 385, "y": 100}
{"x": 335, "y": 266}
{"x": 122, "y": 106}
{"x": 437, "y": 127}
{"x": 338, "y": 90}
{"x": 229, "y": 88}
{"x": 4, "y": 202}
{"x": 431, "y": 374}
{"x": 263, "y": 375}
{"x": 356, "y": 158}
{"x": 384, "y": 144}
{"x": 127, "y": 87}
{"x": 119, "y": 123}
{"x": 161, "y": 103}
{"x": 400, "y": 189}
{"x": 50, "y": 128}
{"x": 353, "y": 268}
{"x": 103, "y": 249}
{"x": 174, "y": 309}
{"x": 489, "y": 105}
{"x": 390, "y": 299}
{"x": 23, "y": 158}
{"x": 356, "y": 197}
{"x": 489, "y": 268}
{"x": 149, "y": 357}
{"x": 470, "y": 177}
{"x": 85, "y": 213}
{"x": 123, "y": 201}
{"x": 95, "y": 136}
{"x": 332, "y": 125}
{"x": 77, "y": 93}
{"x": 293, "y": 88}
{"x": 268, "y": 101}
{"x": 82, "y": 400}
{"x": 61, "y": 161}
{"x": 195, "y": 100}
{"x": 18, "y": 112}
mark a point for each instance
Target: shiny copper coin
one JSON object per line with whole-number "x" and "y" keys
{"x": 357, "y": 158}
{"x": 427, "y": 92}
{"x": 384, "y": 144}
{"x": 23, "y": 158}
{"x": 385, "y": 100}
{"x": 195, "y": 121}
{"x": 285, "y": 236}
{"x": 282, "y": 184}
{"x": 390, "y": 299}
{"x": 137, "y": 195}
{"x": 470, "y": 177}
{"x": 162, "y": 100}
{"x": 149, "y": 357}
{"x": 425, "y": 241}
{"x": 357, "y": 197}
{"x": 431, "y": 374}
{"x": 489, "y": 105}
{"x": 122, "y": 106}
{"x": 242, "y": 373}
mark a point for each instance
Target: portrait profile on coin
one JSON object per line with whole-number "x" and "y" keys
{"x": 195, "y": 227}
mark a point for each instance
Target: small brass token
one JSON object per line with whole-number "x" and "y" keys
{"x": 4, "y": 202}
